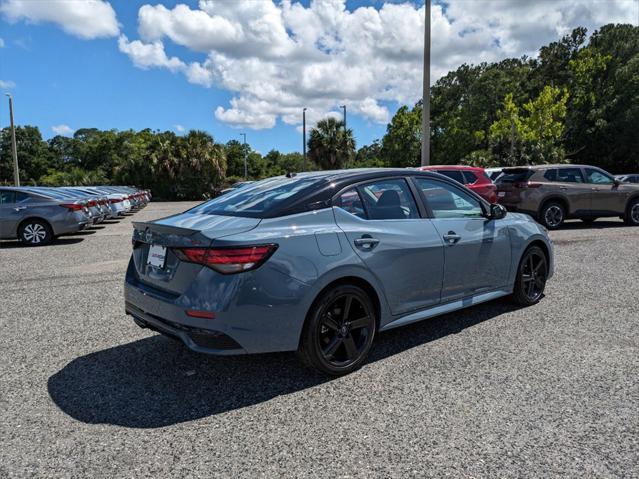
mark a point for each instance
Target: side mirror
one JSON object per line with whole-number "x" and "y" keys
{"x": 497, "y": 211}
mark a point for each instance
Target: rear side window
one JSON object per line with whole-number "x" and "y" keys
{"x": 515, "y": 175}
{"x": 388, "y": 200}
{"x": 470, "y": 177}
{"x": 569, "y": 175}
{"x": 350, "y": 201}
{"x": 551, "y": 175}
{"x": 7, "y": 197}
{"x": 453, "y": 175}
{"x": 22, "y": 197}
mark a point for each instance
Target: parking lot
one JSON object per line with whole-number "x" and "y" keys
{"x": 489, "y": 391}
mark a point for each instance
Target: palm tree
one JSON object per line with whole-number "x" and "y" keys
{"x": 330, "y": 146}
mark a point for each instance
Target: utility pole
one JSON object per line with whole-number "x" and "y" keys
{"x": 344, "y": 108}
{"x": 304, "y": 136}
{"x": 426, "y": 91}
{"x": 245, "y": 160}
{"x": 16, "y": 171}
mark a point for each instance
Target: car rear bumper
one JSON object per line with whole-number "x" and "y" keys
{"x": 254, "y": 312}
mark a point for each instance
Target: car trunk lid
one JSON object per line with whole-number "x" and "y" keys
{"x": 158, "y": 266}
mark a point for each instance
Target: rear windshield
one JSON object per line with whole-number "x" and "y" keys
{"x": 257, "y": 200}
{"x": 514, "y": 175}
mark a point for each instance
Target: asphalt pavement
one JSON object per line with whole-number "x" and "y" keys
{"x": 492, "y": 391}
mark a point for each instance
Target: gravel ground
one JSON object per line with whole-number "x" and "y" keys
{"x": 493, "y": 391}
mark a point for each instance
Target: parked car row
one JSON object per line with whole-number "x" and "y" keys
{"x": 553, "y": 193}
{"x": 36, "y": 215}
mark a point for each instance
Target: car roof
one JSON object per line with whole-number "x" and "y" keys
{"x": 552, "y": 165}
{"x": 451, "y": 167}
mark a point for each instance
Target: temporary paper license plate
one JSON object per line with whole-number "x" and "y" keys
{"x": 157, "y": 256}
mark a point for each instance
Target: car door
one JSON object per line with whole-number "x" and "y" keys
{"x": 477, "y": 255}
{"x": 383, "y": 225}
{"x": 11, "y": 212}
{"x": 572, "y": 186}
{"x": 605, "y": 195}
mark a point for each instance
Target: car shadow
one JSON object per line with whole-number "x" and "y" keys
{"x": 156, "y": 382}
{"x": 597, "y": 225}
{"x": 55, "y": 242}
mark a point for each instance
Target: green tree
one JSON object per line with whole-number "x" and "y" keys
{"x": 401, "y": 145}
{"x": 329, "y": 145}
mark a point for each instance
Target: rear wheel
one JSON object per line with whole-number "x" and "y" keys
{"x": 339, "y": 331}
{"x": 531, "y": 277}
{"x": 35, "y": 232}
{"x": 553, "y": 215}
{"x": 632, "y": 213}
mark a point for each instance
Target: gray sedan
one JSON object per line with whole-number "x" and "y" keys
{"x": 36, "y": 218}
{"x": 320, "y": 262}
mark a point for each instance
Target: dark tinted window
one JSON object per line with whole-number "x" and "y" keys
{"x": 598, "y": 177}
{"x": 634, "y": 179}
{"x": 515, "y": 175}
{"x": 470, "y": 177}
{"x": 21, "y": 197}
{"x": 7, "y": 197}
{"x": 351, "y": 202}
{"x": 569, "y": 175}
{"x": 388, "y": 200}
{"x": 257, "y": 199}
{"x": 453, "y": 175}
{"x": 551, "y": 175}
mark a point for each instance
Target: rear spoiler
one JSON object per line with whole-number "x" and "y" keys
{"x": 165, "y": 229}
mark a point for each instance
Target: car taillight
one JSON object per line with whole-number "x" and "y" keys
{"x": 115, "y": 200}
{"x": 72, "y": 206}
{"x": 91, "y": 203}
{"x": 228, "y": 260}
{"x": 526, "y": 184}
{"x": 102, "y": 202}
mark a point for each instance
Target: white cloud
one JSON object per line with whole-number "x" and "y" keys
{"x": 278, "y": 57}
{"x": 149, "y": 55}
{"x": 179, "y": 128}
{"x": 7, "y": 84}
{"x": 1, "y": 43}
{"x": 64, "y": 130}
{"x": 83, "y": 18}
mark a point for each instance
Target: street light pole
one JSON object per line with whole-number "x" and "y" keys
{"x": 304, "y": 136}
{"x": 426, "y": 90}
{"x": 344, "y": 108}
{"x": 16, "y": 171}
{"x": 245, "y": 163}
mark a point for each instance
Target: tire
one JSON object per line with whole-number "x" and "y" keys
{"x": 552, "y": 215}
{"x": 35, "y": 232}
{"x": 339, "y": 331}
{"x": 631, "y": 218}
{"x": 529, "y": 289}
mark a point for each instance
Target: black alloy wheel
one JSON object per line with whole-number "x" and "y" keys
{"x": 531, "y": 277}
{"x": 553, "y": 215}
{"x": 339, "y": 331}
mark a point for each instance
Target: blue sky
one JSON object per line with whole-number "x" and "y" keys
{"x": 58, "y": 78}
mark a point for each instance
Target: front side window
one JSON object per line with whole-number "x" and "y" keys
{"x": 350, "y": 201}
{"x": 598, "y": 177}
{"x": 388, "y": 200}
{"x": 569, "y": 175}
{"x": 446, "y": 201}
{"x": 7, "y": 197}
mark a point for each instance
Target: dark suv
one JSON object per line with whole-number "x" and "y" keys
{"x": 554, "y": 193}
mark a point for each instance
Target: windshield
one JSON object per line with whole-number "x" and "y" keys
{"x": 257, "y": 199}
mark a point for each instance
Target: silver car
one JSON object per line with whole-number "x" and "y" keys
{"x": 37, "y": 218}
{"x": 320, "y": 262}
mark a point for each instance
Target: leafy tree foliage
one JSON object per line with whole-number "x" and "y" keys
{"x": 330, "y": 145}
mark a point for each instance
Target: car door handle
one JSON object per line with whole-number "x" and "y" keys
{"x": 366, "y": 242}
{"x": 20, "y": 208}
{"x": 563, "y": 187}
{"x": 451, "y": 237}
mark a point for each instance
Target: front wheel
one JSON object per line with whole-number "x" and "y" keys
{"x": 339, "y": 331}
{"x": 35, "y": 233}
{"x": 531, "y": 277}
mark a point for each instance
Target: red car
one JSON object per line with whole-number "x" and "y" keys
{"x": 472, "y": 177}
